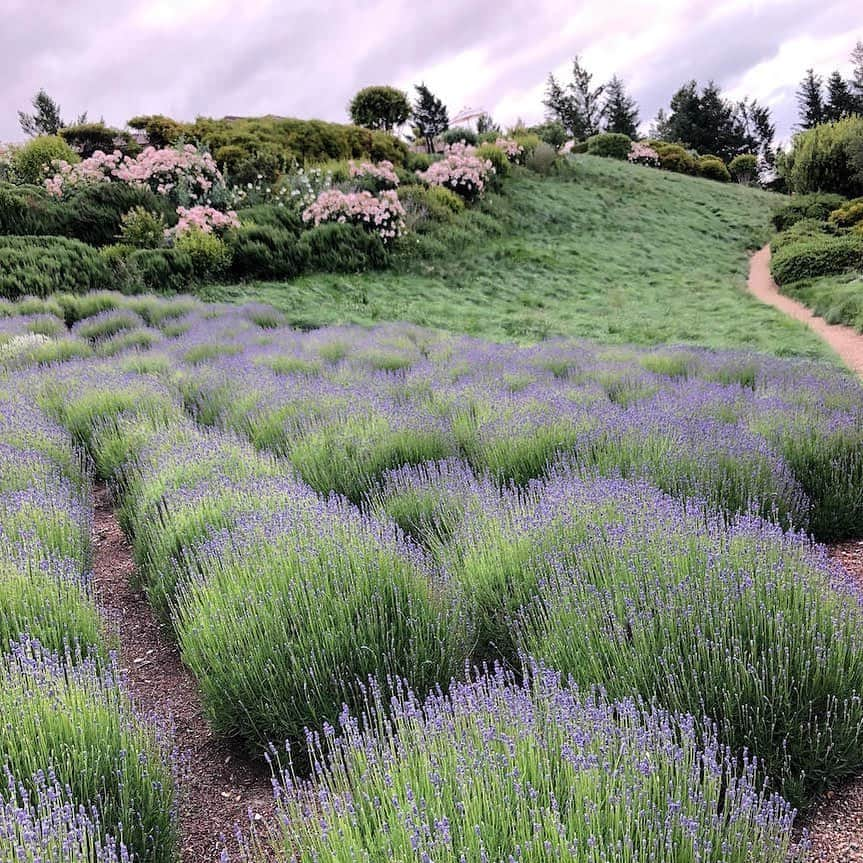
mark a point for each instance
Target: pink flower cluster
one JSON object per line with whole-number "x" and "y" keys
{"x": 641, "y": 154}
{"x": 166, "y": 171}
{"x": 460, "y": 170}
{"x": 512, "y": 148}
{"x": 384, "y": 171}
{"x": 206, "y": 219}
{"x": 383, "y": 214}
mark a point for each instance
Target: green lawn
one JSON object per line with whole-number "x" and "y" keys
{"x": 618, "y": 253}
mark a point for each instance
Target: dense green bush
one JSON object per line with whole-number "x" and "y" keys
{"x": 44, "y": 265}
{"x": 813, "y": 206}
{"x": 429, "y": 204}
{"x": 32, "y": 161}
{"x": 266, "y": 251}
{"x": 828, "y": 158}
{"x": 380, "y": 107}
{"x": 498, "y": 159}
{"x": 612, "y": 145}
{"x": 744, "y": 169}
{"x": 343, "y": 248}
{"x": 285, "y": 139}
{"x": 552, "y": 133}
{"x": 95, "y": 211}
{"x": 817, "y": 256}
{"x": 418, "y": 162}
{"x": 455, "y": 134}
{"x": 673, "y": 157}
{"x": 162, "y": 269}
{"x": 142, "y": 229}
{"x": 848, "y": 215}
{"x": 274, "y": 216}
{"x": 210, "y": 255}
{"x": 713, "y": 168}
{"x": 30, "y": 210}
{"x": 805, "y": 229}
{"x": 541, "y": 158}
{"x": 86, "y": 138}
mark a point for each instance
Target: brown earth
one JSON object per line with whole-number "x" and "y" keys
{"x": 220, "y": 788}
{"x": 846, "y": 341}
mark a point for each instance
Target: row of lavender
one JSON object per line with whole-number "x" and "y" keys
{"x": 500, "y": 543}
{"x": 84, "y": 778}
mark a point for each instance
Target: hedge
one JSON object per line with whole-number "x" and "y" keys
{"x": 817, "y": 256}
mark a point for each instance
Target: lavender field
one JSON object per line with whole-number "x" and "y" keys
{"x": 474, "y": 601}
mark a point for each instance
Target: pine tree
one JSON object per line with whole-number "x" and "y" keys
{"x": 840, "y": 100}
{"x": 620, "y": 112}
{"x": 810, "y": 101}
{"x": 576, "y": 105}
{"x": 429, "y": 115}
{"x": 857, "y": 74}
{"x": 485, "y": 123}
{"x": 45, "y": 119}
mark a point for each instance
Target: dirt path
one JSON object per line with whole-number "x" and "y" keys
{"x": 846, "y": 341}
{"x": 221, "y": 787}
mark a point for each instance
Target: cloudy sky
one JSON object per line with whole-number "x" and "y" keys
{"x": 306, "y": 58}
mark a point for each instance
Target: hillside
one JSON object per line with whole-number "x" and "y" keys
{"x": 619, "y": 253}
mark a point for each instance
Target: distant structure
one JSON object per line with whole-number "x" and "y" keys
{"x": 467, "y": 117}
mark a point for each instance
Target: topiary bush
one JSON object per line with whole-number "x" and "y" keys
{"x": 713, "y": 168}
{"x": 818, "y": 205}
{"x": 744, "y": 169}
{"x": 341, "y": 248}
{"x": 44, "y": 265}
{"x": 266, "y": 251}
{"x": 673, "y": 157}
{"x": 32, "y": 160}
{"x": 817, "y": 256}
{"x": 611, "y": 145}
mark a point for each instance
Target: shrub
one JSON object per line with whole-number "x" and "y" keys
{"x": 461, "y": 171}
{"x": 382, "y": 215}
{"x": 210, "y": 255}
{"x": 142, "y": 229}
{"x": 553, "y": 133}
{"x": 380, "y": 107}
{"x": 266, "y": 252}
{"x": 29, "y": 210}
{"x": 715, "y": 624}
{"x": 643, "y": 154}
{"x": 32, "y": 161}
{"x": 828, "y": 158}
{"x": 818, "y": 256}
{"x": 612, "y": 145}
{"x": 458, "y": 134}
{"x": 162, "y": 269}
{"x": 673, "y": 157}
{"x": 528, "y": 141}
{"x": 429, "y": 203}
{"x": 713, "y": 168}
{"x": 86, "y": 138}
{"x": 80, "y": 725}
{"x": 95, "y": 211}
{"x": 341, "y": 248}
{"x": 274, "y": 216}
{"x": 44, "y": 265}
{"x": 497, "y": 770}
{"x": 813, "y": 206}
{"x": 417, "y": 162}
{"x": 540, "y": 159}
{"x": 848, "y": 215}
{"x": 204, "y": 219}
{"x": 805, "y": 229}
{"x": 337, "y": 597}
{"x": 497, "y": 157}
{"x": 744, "y": 169}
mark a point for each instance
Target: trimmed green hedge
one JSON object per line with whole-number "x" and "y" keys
{"x": 817, "y": 256}
{"x": 40, "y": 266}
{"x": 815, "y": 206}
{"x": 612, "y": 145}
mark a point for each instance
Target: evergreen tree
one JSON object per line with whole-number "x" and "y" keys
{"x": 485, "y": 123}
{"x": 757, "y": 132}
{"x": 45, "y": 119}
{"x": 429, "y": 115}
{"x": 620, "y": 112}
{"x": 810, "y": 101}
{"x": 659, "y": 128}
{"x": 857, "y": 74}
{"x": 840, "y": 100}
{"x": 576, "y": 104}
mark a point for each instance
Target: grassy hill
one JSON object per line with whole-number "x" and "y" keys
{"x": 618, "y": 253}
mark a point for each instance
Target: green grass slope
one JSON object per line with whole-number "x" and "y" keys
{"x": 837, "y": 299}
{"x": 618, "y": 253}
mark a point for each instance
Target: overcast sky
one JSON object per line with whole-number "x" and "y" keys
{"x": 306, "y": 58}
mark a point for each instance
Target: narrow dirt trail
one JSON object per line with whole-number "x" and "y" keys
{"x": 846, "y": 341}
{"x": 221, "y": 787}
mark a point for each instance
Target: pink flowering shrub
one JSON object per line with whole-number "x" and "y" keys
{"x": 642, "y": 154}
{"x": 183, "y": 174}
{"x": 460, "y": 170}
{"x": 382, "y": 214}
{"x": 511, "y": 148}
{"x": 202, "y": 218}
{"x": 383, "y": 171}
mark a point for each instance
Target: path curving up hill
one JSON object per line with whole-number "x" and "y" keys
{"x": 846, "y": 341}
